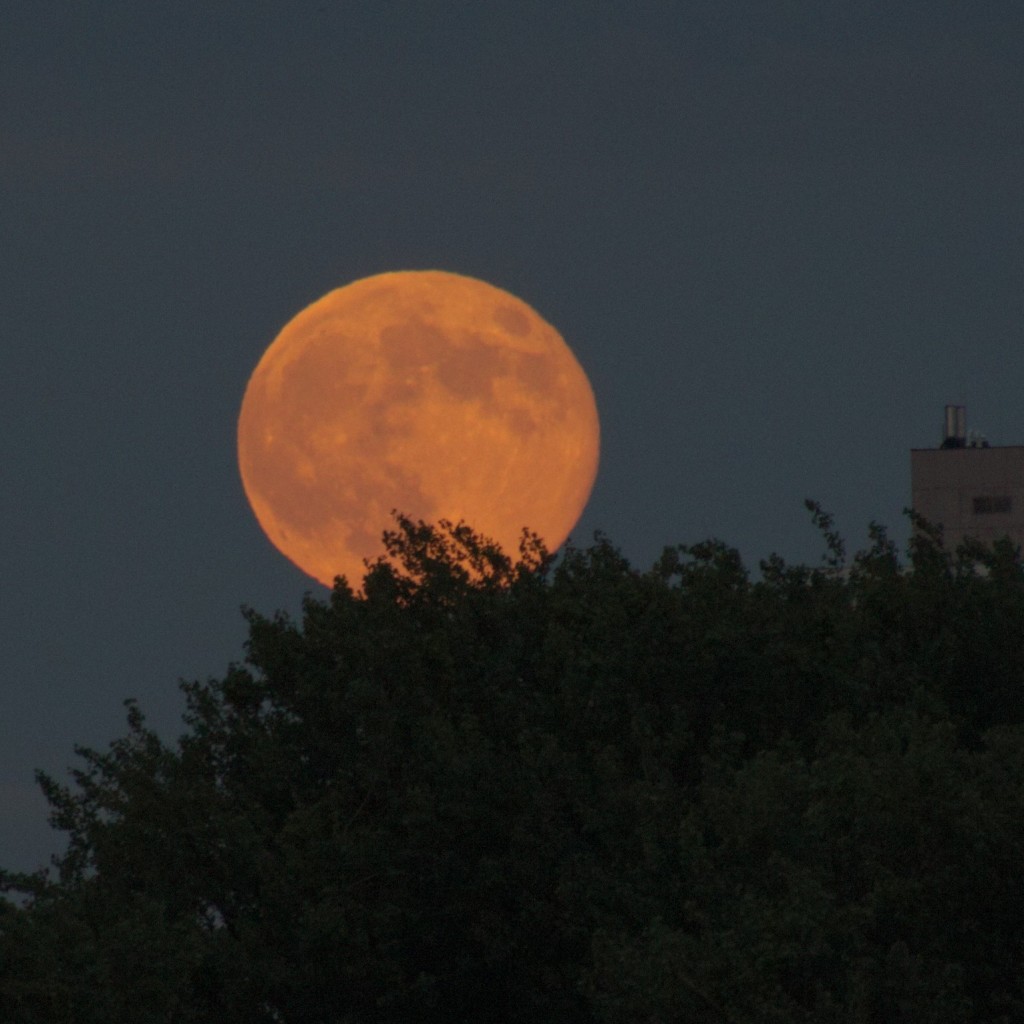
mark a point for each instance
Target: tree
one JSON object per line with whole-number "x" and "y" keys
{"x": 526, "y": 790}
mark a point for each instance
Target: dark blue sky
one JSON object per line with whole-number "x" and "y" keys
{"x": 778, "y": 236}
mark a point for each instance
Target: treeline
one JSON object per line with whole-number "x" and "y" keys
{"x": 537, "y": 791}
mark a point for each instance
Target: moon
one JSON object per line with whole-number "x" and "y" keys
{"x": 424, "y": 392}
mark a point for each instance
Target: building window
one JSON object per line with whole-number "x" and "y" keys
{"x": 987, "y": 505}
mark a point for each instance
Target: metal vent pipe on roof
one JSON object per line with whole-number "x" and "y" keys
{"x": 955, "y": 435}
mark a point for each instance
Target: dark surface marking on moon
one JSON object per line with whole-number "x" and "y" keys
{"x": 538, "y": 374}
{"x": 512, "y": 320}
{"x": 305, "y": 385}
{"x": 469, "y": 373}
{"x": 411, "y": 344}
{"x": 521, "y": 422}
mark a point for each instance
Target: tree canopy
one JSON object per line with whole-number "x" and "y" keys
{"x": 488, "y": 788}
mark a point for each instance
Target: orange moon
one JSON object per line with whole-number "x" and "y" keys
{"x": 425, "y": 392}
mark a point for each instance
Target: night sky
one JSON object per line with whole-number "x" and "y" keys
{"x": 779, "y": 237}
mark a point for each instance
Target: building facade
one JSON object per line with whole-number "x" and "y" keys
{"x": 968, "y": 487}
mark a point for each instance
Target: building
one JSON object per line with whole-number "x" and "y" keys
{"x": 967, "y": 486}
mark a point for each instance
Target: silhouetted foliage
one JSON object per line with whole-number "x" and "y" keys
{"x": 564, "y": 790}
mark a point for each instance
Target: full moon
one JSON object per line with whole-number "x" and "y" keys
{"x": 428, "y": 393}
